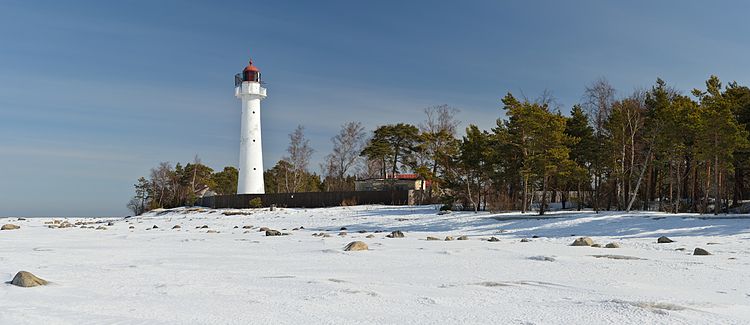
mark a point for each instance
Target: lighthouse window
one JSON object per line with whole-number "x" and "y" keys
{"x": 253, "y": 168}
{"x": 253, "y": 140}
{"x": 253, "y": 112}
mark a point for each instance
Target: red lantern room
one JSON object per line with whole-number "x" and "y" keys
{"x": 251, "y": 72}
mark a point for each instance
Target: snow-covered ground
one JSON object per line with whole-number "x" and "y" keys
{"x": 235, "y": 276}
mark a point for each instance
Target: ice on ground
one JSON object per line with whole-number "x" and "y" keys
{"x": 229, "y": 273}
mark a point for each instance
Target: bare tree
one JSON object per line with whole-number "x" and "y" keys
{"x": 299, "y": 158}
{"x": 161, "y": 180}
{"x": 598, "y": 99}
{"x": 345, "y": 157}
{"x": 438, "y": 130}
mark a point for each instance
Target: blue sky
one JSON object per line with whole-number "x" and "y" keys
{"x": 95, "y": 93}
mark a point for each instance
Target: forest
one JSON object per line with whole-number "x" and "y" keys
{"x": 657, "y": 149}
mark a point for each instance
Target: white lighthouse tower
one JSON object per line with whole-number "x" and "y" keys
{"x": 247, "y": 87}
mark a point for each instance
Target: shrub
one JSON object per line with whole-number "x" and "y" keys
{"x": 349, "y": 202}
{"x": 256, "y": 203}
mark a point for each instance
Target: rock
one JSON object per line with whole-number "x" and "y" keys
{"x": 493, "y": 239}
{"x": 362, "y": 231}
{"x": 343, "y": 228}
{"x": 131, "y": 227}
{"x": 370, "y": 236}
{"x": 444, "y": 212}
{"x": 246, "y": 232}
{"x": 21, "y": 219}
{"x": 272, "y": 208}
{"x": 432, "y": 238}
{"x": 9, "y": 226}
{"x": 293, "y": 229}
{"x": 664, "y": 240}
{"x": 176, "y": 227}
{"x": 26, "y": 279}
{"x": 535, "y": 236}
{"x": 448, "y": 238}
{"x": 597, "y": 245}
{"x": 264, "y": 229}
{"x": 325, "y": 235}
{"x": 48, "y": 226}
{"x": 271, "y": 232}
{"x": 356, "y": 246}
{"x": 343, "y": 233}
{"x": 700, "y": 251}
{"x": 525, "y": 240}
{"x": 247, "y": 227}
{"x": 211, "y": 231}
{"x": 583, "y": 241}
{"x": 101, "y": 228}
{"x": 395, "y": 234}
{"x": 463, "y": 237}
{"x": 110, "y": 223}
{"x": 612, "y": 245}
{"x": 235, "y": 227}
{"x": 204, "y": 227}
{"x": 301, "y": 227}
{"x": 680, "y": 249}
{"x": 156, "y": 227}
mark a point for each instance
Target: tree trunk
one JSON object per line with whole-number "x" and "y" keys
{"x": 544, "y": 196}
{"x": 717, "y": 197}
{"x": 525, "y": 193}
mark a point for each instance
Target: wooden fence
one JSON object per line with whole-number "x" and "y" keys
{"x": 309, "y": 199}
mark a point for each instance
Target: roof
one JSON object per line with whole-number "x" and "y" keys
{"x": 251, "y": 67}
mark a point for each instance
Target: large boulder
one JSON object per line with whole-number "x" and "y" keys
{"x": 612, "y": 245}
{"x": 664, "y": 240}
{"x": 26, "y": 279}
{"x": 396, "y": 234}
{"x": 356, "y": 246}
{"x": 700, "y": 251}
{"x": 9, "y": 226}
{"x": 583, "y": 241}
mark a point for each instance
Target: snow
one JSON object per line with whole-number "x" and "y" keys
{"x": 188, "y": 276}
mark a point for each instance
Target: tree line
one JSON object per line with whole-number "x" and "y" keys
{"x": 654, "y": 149}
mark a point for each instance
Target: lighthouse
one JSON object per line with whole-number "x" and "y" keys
{"x": 247, "y": 87}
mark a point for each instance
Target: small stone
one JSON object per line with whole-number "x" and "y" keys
{"x": 301, "y": 227}
{"x": 343, "y": 228}
{"x": 448, "y": 238}
{"x": 597, "y": 245}
{"x": 362, "y": 231}
{"x": 700, "y": 251}
{"x": 235, "y": 227}
{"x": 293, "y": 229}
{"x": 110, "y": 223}
{"x": 680, "y": 249}
{"x": 264, "y": 229}
{"x": 370, "y": 236}
{"x": 325, "y": 235}
{"x": 21, "y": 219}
{"x": 211, "y": 231}
{"x": 131, "y": 227}
{"x": 247, "y": 227}
{"x": 356, "y": 246}
{"x": 271, "y": 232}
{"x": 493, "y": 239}
{"x": 583, "y": 241}
{"x": 204, "y": 227}
{"x": 343, "y": 233}
{"x": 395, "y": 234}
{"x": 612, "y": 245}
{"x": 26, "y": 279}
{"x": 155, "y": 227}
{"x": 176, "y": 227}
{"x": 246, "y": 232}
{"x": 463, "y": 237}
{"x": 525, "y": 240}
{"x": 432, "y": 238}
{"x": 101, "y": 228}
{"x": 9, "y": 226}
{"x": 535, "y": 236}
{"x": 664, "y": 240}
